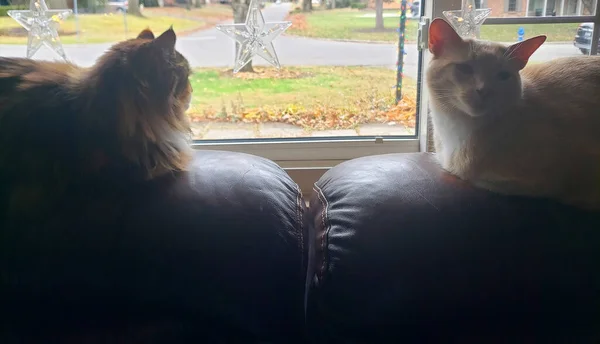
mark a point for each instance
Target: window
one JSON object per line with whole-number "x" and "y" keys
{"x": 334, "y": 97}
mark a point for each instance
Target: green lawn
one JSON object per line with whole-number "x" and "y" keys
{"x": 351, "y": 24}
{"x": 100, "y": 28}
{"x": 336, "y": 86}
{"x": 354, "y": 92}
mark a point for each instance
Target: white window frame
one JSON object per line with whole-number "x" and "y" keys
{"x": 324, "y": 153}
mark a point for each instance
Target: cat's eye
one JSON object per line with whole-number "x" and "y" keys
{"x": 464, "y": 68}
{"x": 503, "y": 75}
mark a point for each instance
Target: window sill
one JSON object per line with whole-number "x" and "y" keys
{"x": 313, "y": 153}
{"x": 307, "y": 161}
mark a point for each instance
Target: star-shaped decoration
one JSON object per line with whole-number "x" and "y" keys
{"x": 255, "y": 37}
{"x": 468, "y": 20}
{"x": 42, "y": 25}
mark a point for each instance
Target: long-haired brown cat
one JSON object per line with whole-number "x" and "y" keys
{"x": 61, "y": 125}
{"x": 531, "y": 131}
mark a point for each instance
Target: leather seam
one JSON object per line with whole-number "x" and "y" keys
{"x": 326, "y": 228}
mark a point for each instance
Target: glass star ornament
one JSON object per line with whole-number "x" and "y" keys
{"x": 255, "y": 37}
{"x": 42, "y": 24}
{"x": 468, "y": 20}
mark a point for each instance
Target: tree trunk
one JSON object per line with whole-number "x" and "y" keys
{"x": 134, "y": 8}
{"x": 240, "y": 12}
{"x": 306, "y": 5}
{"x": 379, "y": 15}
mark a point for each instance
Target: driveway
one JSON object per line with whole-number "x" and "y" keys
{"x": 210, "y": 48}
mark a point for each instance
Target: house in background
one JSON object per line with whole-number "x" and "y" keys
{"x": 521, "y": 8}
{"x": 537, "y": 8}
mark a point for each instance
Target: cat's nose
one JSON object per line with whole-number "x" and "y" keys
{"x": 483, "y": 92}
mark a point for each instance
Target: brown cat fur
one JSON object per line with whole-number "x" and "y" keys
{"x": 61, "y": 124}
{"x": 531, "y": 131}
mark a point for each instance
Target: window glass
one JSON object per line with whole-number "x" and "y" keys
{"x": 512, "y": 6}
{"x": 338, "y": 75}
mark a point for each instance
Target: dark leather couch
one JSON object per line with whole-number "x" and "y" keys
{"x": 391, "y": 250}
{"x": 404, "y": 253}
{"x": 211, "y": 256}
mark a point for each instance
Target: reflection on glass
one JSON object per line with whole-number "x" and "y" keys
{"x": 538, "y": 8}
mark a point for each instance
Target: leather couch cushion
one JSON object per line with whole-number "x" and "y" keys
{"x": 213, "y": 255}
{"x": 400, "y": 251}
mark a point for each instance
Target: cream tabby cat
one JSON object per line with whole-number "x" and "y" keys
{"x": 531, "y": 131}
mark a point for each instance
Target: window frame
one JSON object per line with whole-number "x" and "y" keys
{"x": 316, "y": 153}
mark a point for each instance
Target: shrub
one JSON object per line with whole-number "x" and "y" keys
{"x": 342, "y": 3}
{"x": 358, "y": 5}
{"x": 5, "y": 9}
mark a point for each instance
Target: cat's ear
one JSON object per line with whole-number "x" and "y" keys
{"x": 167, "y": 40}
{"x": 146, "y": 34}
{"x": 441, "y": 36}
{"x": 519, "y": 53}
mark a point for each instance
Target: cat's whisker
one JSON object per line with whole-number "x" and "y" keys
{"x": 444, "y": 89}
{"x": 449, "y": 96}
{"x": 443, "y": 95}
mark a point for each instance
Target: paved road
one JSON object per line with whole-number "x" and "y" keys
{"x": 210, "y": 48}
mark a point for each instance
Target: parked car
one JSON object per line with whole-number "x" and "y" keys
{"x": 415, "y": 8}
{"x": 583, "y": 37}
{"x": 119, "y": 6}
